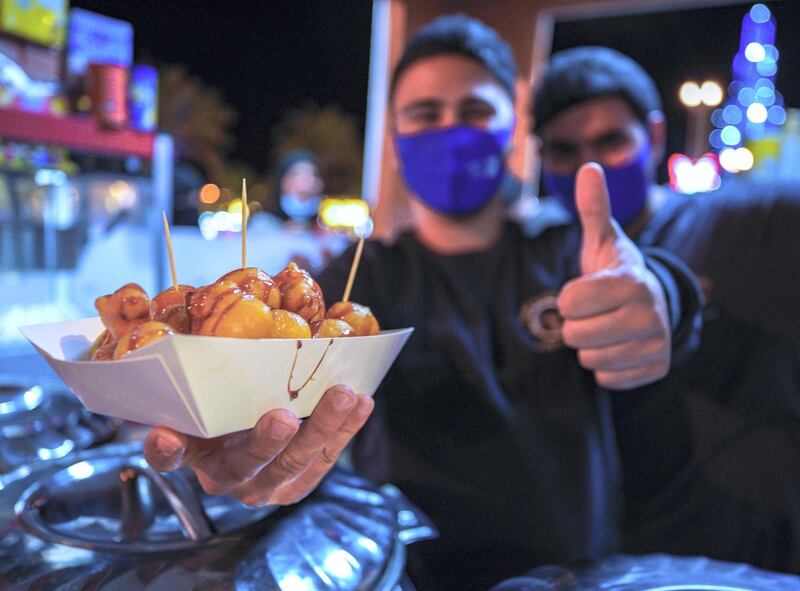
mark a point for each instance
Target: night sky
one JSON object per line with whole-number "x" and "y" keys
{"x": 265, "y": 56}
{"x": 269, "y": 56}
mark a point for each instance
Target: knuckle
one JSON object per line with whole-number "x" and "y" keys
{"x": 324, "y": 428}
{"x": 568, "y": 334}
{"x": 329, "y": 456}
{"x": 649, "y": 323}
{"x": 290, "y": 462}
{"x": 258, "y": 451}
{"x": 214, "y": 487}
{"x": 587, "y": 359}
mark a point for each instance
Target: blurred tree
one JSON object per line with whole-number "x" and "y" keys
{"x": 332, "y": 135}
{"x": 198, "y": 119}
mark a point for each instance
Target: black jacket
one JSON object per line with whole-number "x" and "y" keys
{"x": 500, "y": 436}
{"x": 712, "y": 457}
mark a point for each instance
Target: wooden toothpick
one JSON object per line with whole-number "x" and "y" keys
{"x": 169, "y": 250}
{"x": 244, "y": 223}
{"x": 353, "y": 269}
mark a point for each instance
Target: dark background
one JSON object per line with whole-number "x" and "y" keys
{"x": 271, "y": 56}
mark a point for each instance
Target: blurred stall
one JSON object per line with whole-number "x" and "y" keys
{"x": 84, "y": 174}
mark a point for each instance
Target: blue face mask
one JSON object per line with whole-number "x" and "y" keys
{"x": 454, "y": 170}
{"x": 297, "y": 208}
{"x": 627, "y": 187}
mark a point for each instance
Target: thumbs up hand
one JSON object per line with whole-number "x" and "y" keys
{"x": 615, "y": 313}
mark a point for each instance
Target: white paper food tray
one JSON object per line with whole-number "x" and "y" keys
{"x": 210, "y": 386}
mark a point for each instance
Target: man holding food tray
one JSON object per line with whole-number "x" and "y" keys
{"x": 711, "y": 459}
{"x": 495, "y": 418}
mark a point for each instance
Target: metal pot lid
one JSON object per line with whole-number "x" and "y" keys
{"x": 118, "y": 503}
{"x": 40, "y": 424}
{"x": 15, "y": 398}
{"x": 101, "y": 519}
{"x": 352, "y": 536}
{"x": 655, "y": 572}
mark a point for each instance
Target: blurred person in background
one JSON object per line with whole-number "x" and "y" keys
{"x": 298, "y": 189}
{"x": 486, "y": 421}
{"x": 711, "y": 463}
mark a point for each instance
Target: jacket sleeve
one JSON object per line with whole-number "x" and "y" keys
{"x": 684, "y": 300}
{"x": 752, "y": 255}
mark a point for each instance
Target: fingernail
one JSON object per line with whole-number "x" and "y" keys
{"x": 167, "y": 446}
{"x": 364, "y": 406}
{"x": 343, "y": 399}
{"x": 279, "y": 430}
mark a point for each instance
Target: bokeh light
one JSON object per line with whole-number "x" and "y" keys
{"x": 690, "y": 177}
{"x": 731, "y": 115}
{"x": 715, "y": 139}
{"x": 776, "y": 115}
{"x": 690, "y": 94}
{"x": 717, "y": 118}
{"x": 730, "y": 135}
{"x": 757, "y": 113}
{"x": 755, "y": 52}
{"x": 209, "y": 193}
{"x": 736, "y": 160}
{"x": 711, "y": 93}
{"x": 746, "y": 95}
{"x": 767, "y": 68}
{"x": 759, "y": 13}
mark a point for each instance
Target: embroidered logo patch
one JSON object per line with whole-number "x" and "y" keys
{"x": 541, "y": 317}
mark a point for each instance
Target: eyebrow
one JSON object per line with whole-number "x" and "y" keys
{"x": 603, "y": 135}
{"x": 421, "y": 104}
{"x": 474, "y": 101}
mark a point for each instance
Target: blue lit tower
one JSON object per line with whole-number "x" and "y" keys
{"x": 754, "y": 108}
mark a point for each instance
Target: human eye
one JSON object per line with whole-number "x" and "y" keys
{"x": 476, "y": 112}
{"x": 559, "y": 149}
{"x": 612, "y": 141}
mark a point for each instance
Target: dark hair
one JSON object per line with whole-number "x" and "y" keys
{"x": 584, "y": 73}
{"x": 286, "y": 162}
{"x": 459, "y": 34}
{"x": 291, "y": 158}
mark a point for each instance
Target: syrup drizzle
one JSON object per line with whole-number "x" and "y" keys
{"x": 293, "y": 393}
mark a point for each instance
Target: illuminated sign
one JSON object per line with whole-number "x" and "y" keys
{"x": 40, "y": 21}
{"x": 97, "y": 38}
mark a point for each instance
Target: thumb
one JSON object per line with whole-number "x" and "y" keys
{"x": 594, "y": 211}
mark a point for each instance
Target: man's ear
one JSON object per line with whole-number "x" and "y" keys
{"x": 657, "y": 132}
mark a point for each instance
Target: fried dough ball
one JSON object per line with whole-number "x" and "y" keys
{"x": 171, "y": 307}
{"x": 122, "y": 310}
{"x": 143, "y": 334}
{"x": 239, "y": 316}
{"x": 331, "y": 328}
{"x": 288, "y": 325}
{"x": 255, "y": 282}
{"x": 204, "y": 300}
{"x": 300, "y": 293}
{"x": 359, "y": 317}
{"x": 103, "y": 347}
